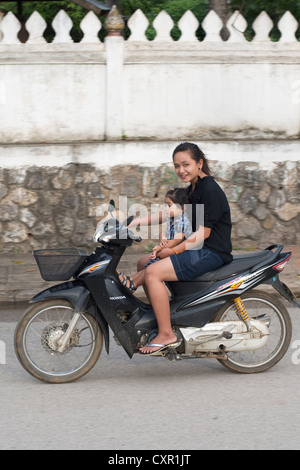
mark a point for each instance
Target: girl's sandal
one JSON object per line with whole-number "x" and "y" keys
{"x": 125, "y": 281}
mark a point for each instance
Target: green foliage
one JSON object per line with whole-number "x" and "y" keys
{"x": 175, "y": 8}
{"x": 275, "y": 9}
{"x": 151, "y": 8}
{"x": 48, "y": 10}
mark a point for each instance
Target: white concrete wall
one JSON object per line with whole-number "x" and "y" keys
{"x": 211, "y": 100}
{"x": 161, "y": 89}
{"x": 106, "y": 155}
{"x": 55, "y": 102}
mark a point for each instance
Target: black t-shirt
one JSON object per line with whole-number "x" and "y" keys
{"x": 215, "y": 215}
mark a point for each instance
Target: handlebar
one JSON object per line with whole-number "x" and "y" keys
{"x": 113, "y": 229}
{"x": 128, "y": 221}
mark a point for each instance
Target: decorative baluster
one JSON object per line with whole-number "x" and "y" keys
{"x": 288, "y": 26}
{"x": 163, "y": 24}
{"x": 188, "y": 25}
{"x": 10, "y": 26}
{"x": 138, "y": 23}
{"x": 90, "y": 26}
{"x": 236, "y": 25}
{"x": 212, "y": 25}
{"x": 62, "y": 25}
{"x": 262, "y": 27}
{"x": 36, "y": 26}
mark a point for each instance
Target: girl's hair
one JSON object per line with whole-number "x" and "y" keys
{"x": 196, "y": 154}
{"x": 178, "y": 196}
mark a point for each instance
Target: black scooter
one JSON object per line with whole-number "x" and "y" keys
{"x": 218, "y": 315}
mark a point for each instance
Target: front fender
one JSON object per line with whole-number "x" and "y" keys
{"x": 78, "y": 296}
{"x": 73, "y": 291}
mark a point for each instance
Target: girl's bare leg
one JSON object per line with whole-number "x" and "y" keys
{"x": 142, "y": 261}
{"x": 138, "y": 279}
{"x": 141, "y": 267}
{"x": 155, "y": 275}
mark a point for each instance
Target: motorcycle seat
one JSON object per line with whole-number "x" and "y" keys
{"x": 239, "y": 264}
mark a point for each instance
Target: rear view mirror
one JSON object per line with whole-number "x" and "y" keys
{"x": 111, "y": 206}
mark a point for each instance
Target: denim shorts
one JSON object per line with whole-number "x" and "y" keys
{"x": 193, "y": 263}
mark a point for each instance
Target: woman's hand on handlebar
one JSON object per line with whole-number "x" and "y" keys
{"x": 134, "y": 223}
{"x": 154, "y": 219}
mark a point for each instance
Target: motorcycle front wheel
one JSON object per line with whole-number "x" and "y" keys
{"x": 267, "y": 308}
{"x": 37, "y": 338}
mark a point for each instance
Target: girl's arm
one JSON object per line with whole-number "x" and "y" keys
{"x": 171, "y": 243}
{"x": 191, "y": 242}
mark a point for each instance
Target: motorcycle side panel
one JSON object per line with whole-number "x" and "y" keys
{"x": 196, "y": 316}
{"x": 102, "y": 288}
{"x": 184, "y": 289}
{"x": 193, "y": 316}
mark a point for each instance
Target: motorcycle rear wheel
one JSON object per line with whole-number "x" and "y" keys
{"x": 38, "y": 332}
{"x": 264, "y": 307}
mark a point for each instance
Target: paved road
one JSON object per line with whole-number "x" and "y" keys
{"x": 151, "y": 403}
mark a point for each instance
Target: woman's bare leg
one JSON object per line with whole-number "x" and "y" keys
{"x": 155, "y": 275}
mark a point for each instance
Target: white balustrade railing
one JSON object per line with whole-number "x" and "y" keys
{"x": 163, "y": 24}
{"x": 213, "y": 88}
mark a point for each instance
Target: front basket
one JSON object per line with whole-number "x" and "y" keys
{"x": 59, "y": 264}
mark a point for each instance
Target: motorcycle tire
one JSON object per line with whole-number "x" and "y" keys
{"x": 36, "y": 337}
{"x": 259, "y": 305}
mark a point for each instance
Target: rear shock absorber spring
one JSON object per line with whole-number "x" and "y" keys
{"x": 241, "y": 311}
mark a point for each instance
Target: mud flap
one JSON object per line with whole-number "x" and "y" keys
{"x": 284, "y": 290}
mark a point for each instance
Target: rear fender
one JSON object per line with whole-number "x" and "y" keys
{"x": 79, "y": 297}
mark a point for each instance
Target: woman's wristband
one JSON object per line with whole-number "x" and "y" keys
{"x": 177, "y": 252}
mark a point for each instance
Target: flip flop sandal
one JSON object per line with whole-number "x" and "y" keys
{"x": 161, "y": 347}
{"x": 131, "y": 286}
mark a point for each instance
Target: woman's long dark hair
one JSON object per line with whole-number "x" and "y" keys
{"x": 196, "y": 154}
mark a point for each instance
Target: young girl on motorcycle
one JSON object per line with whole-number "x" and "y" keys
{"x": 178, "y": 225}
